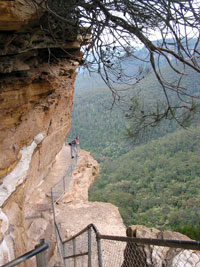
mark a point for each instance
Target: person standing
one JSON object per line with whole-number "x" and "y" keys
{"x": 74, "y": 147}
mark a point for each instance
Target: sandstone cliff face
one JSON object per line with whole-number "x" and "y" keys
{"x": 31, "y": 90}
{"x": 36, "y": 97}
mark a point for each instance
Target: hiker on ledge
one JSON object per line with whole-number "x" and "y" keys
{"x": 74, "y": 147}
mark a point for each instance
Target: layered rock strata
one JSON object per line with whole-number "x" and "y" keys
{"x": 37, "y": 72}
{"x": 36, "y": 76}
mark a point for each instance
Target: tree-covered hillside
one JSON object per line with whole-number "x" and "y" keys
{"x": 156, "y": 184}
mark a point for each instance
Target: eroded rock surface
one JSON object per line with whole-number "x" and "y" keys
{"x": 36, "y": 97}
{"x": 36, "y": 79}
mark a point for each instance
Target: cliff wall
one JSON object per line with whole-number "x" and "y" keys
{"x": 36, "y": 97}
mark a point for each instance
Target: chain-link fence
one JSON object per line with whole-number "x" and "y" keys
{"x": 57, "y": 191}
{"x": 91, "y": 249}
{"x": 82, "y": 249}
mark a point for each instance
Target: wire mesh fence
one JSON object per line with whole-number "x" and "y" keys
{"x": 59, "y": 244}
{"x": 89, "y": 248}
{"x": 81, "y": 250}
{"x": 138, "y": 255}
{"x": 129, "y": 252}
{"x": 57, "y": 191}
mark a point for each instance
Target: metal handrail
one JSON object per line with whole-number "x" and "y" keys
{"x": 27, "y": 255}
{"x": 82, "y": 231}
{"x": 75, "y": 254}
{"x": 193, "y": 245}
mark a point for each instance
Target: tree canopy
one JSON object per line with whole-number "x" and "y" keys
{"x": 168, "y": 29}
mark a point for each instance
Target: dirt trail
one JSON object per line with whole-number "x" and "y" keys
{"x": 60, "y": 166}
{"x": 40, "y": 199}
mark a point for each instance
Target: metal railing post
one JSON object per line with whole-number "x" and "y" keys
{"x": 89, "y": 248}
{"x": 60, "y": 245}
{"x": 64, "y": 183}
{"x": 71, "y": 170}
{"x": 52, "y": 204}
{"x": 41, "y": 258}
{"x": 74, "y": 251}
{"x": 99, "y": 251}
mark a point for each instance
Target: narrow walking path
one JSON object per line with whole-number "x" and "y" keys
{"x": 60, "y": 166}
{"x": 40, "y": 199}
{"x": 38, "y": 218}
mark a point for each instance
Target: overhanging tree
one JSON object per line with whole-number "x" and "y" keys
{"x": 118, "y": 26}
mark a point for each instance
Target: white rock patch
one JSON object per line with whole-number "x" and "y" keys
{"x": 4, "y": 249}
{"x": 18, "y": 175}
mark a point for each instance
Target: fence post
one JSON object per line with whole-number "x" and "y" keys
{"x": 71, "y": 170}
{"x": 52, "y": 203}
{"x": 41, "y": 258}
{"x": 99, "y": 250}
{"x": 89, "y": 248}
{"x": 76, "y": 161}
{"x": 74, "y": 251}
{"x": 64, "y": 183}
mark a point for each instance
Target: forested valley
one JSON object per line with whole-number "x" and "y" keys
{"x": 155, "y": 182}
